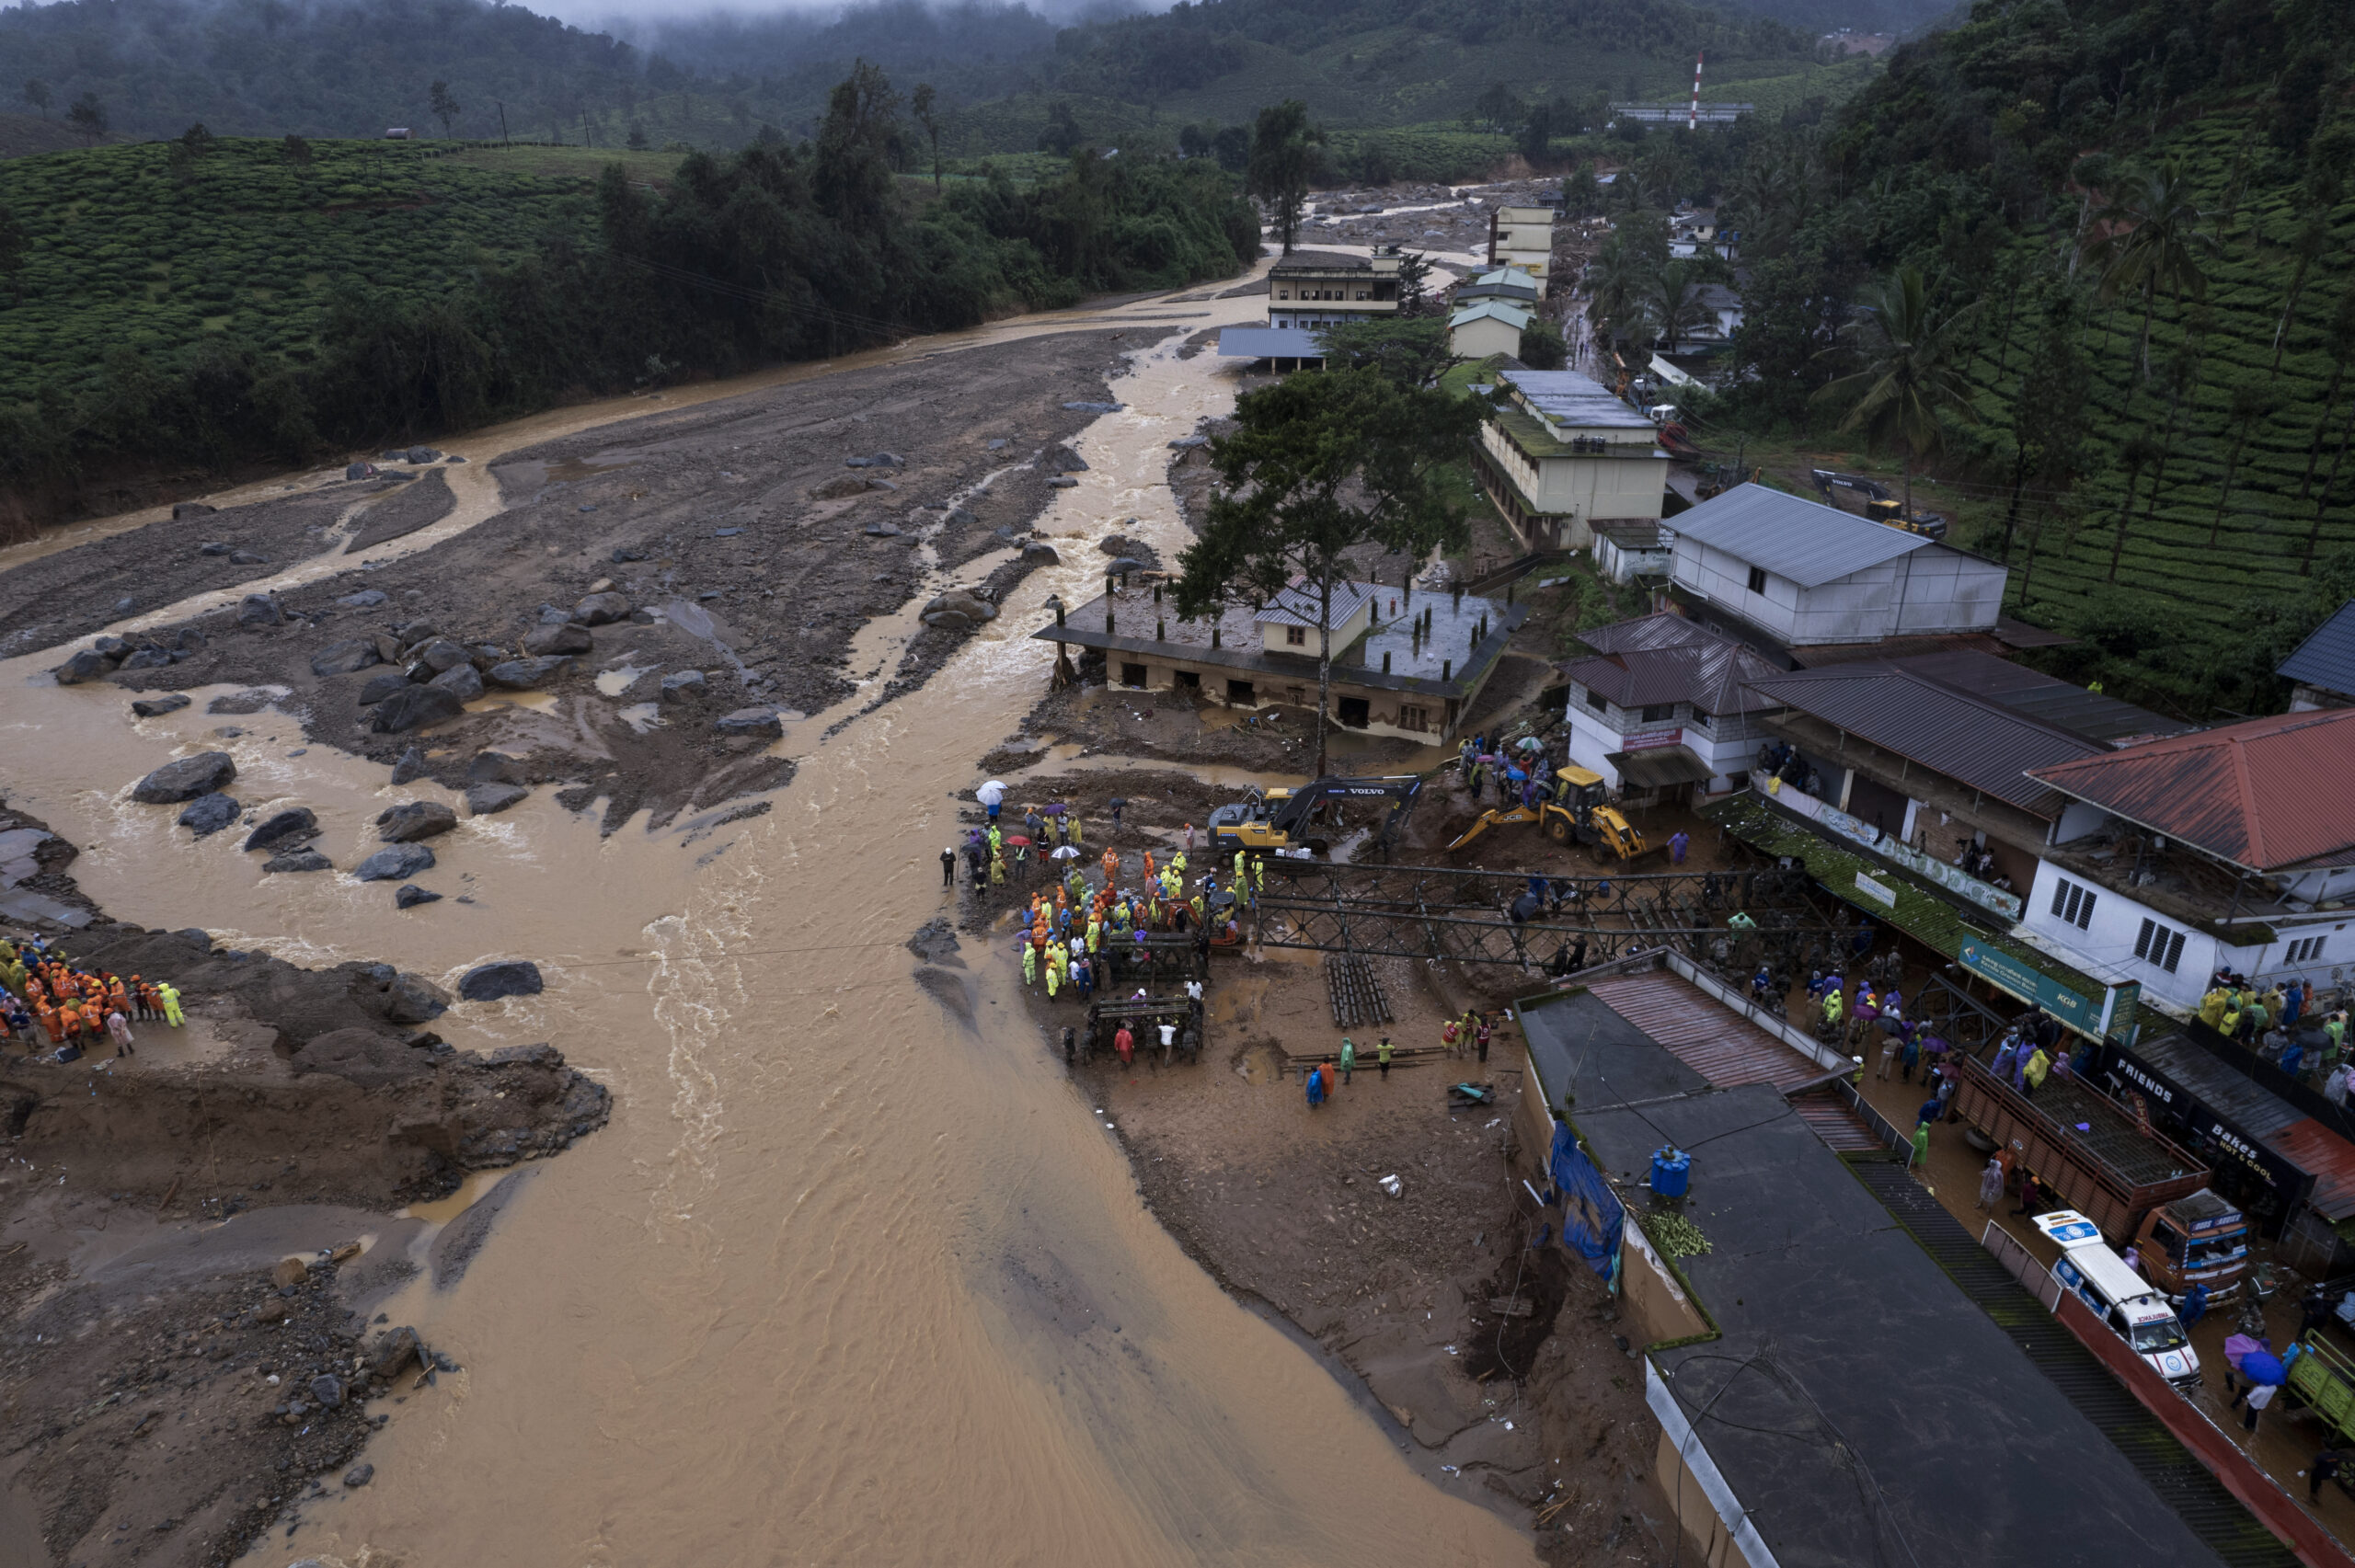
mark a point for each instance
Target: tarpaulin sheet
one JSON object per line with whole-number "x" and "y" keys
{"x": 1592, "y": 1218}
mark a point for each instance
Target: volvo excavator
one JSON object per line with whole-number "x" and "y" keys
{"x": 1303, "y": 818}
{"x": 1879, "y": 505}
{"x": 1578, "y": 811}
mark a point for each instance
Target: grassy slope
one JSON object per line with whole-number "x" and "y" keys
{"x": 122, "y": 256}
{"x": 2263, "y": 536}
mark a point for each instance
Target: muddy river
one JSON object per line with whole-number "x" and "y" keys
{"x": 849, "y": 1279}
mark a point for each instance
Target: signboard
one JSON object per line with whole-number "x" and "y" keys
{"x": 2082, "y": 1013}
{"x": 2198, "y": 1128}
{"x": 1884, "y": 896}
{"x": 1889, "y": 847}
{"x": 1651, "y": 738}
{"x": 2121, "y": 1012}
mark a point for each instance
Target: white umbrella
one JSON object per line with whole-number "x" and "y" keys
{"x": 990, "y": 793}
{"x": 1067, "y": 852}
{"x": 1530, "y": 743}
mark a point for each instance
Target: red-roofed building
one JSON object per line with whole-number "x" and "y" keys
{"x": 2226, "y": 848}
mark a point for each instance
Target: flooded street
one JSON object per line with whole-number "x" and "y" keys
{"x": 850, "y": 1276}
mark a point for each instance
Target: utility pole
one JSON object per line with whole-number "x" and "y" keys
{"x": 502, "y": 124}
{"x": 1692, "y": 118}
{"x": 587, "y": 137}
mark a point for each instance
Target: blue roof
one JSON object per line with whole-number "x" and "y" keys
{"x": 2328, "y": 658}
{"x": 1802, "y": 540}
{"x": 1270, "y": 343}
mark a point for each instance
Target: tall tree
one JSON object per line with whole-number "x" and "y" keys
{"x": 923, "y": 104}
{"x": 2151, "y": 244}
{"x": 2250, "y": 405}
{"x": 1911, "y": 380}
{"x": 87, "y": 116}
{"x": 446, "y": 107}
{"x": 1282, "y": 157}
{"x": 1318, "y": 463}
{"x": 2341, "y": 345}
{"x": 36, "y": 93}
{"x": 1672, "y": 303}
{"x": 2049, "y": 415}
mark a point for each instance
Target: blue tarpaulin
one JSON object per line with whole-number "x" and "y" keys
{"x": 1592, "y": 1218}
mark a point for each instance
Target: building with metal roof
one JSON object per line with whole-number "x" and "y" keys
{"x": 2324, "y": 666}
{"x": 1793, "y": 572}
{"x": 1331, "y": 288}
{"x": 1664, "y": 702}
{"x": 1286, "y": 347}
{"x": 1482, "y": 328}
{"x": 1563, "y": 454}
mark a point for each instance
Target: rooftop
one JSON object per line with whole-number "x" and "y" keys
{"x": 2043, "y": 697}
{"x": 1512, "y": 315}
{"x": 1850, "y": 1369}
{"x": 2266, "y": 794}
{"x": 1565, "y": 397}
{"x": 1322, "y": 261}
{"x": 1269, "y": 343}
{"x": 1537, "y": 439}
{"x": 1804, "y": 541}
{"x": 1447, "y": 664}
{"x": 1966, "y": 737}
{"x": 2326, "y": 659}
{"x": 1297, "y": 604}
{"x": 1713, "y": 674}
{"x": 2257, "y": 1111}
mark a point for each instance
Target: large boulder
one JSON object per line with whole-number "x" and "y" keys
{"x": 442, "y": 654}
{"x": 209, "y": 813}
{"x": 185, "y": 779}
{"x": 1038, "y": 553}
{"x": 183, "y": 510}
{"x": 410, "y": 766}
{"x": 409, "y": 895}
{"x": 297, "y": 860}
{"x": 417, "y": 820}
{"x": 494, "y": 767}
{"x": 413, "y": 999}
{"x": 398, "y": 864}
{"x": 361, "y": 1055}
{"x": 292, "y": 826}
{"x": 682, "y": 685}
{"x": 413, "y": 707}
{"x": 345, "y": 657}
{"x": 958, "y": 611}
{"x": 509, "y": 977}
{"x": 524, "y": 674}
{"x": 366, "y": 599}
{"x": 380, "y": 687}
{"x": 601, "y": 609}
{"x": 156, "y": 707}
{"x": 542, "y": 641}
{"x": 761, "y": 722}
{"x": 489, "y": 800}
{"x": 1062, "y": 460}
{"x": 258, "y": 610}
{"x": 86, "y": 665}
{"x": 461, "y": 681}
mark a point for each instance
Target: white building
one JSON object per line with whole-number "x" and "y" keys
{"x": 1487, "y": 327}
{"x": 1523, "y": 237}
{"x": 2227, "y": 848}
{"x": 1565, "y": 455}
{"x": 1664, "y": 704}
{"x": 1794, "y": 573}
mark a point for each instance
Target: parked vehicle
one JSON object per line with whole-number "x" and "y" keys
{"x": 2200, "y": 1239}
{"x": 2322, "y": 1379}
{"x": 2120, "y": 1297}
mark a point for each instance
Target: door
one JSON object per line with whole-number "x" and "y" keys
{"x": 1877, "y": 804}
{"x": 1240, "y": 694}
{"x": 1132, "y": 675}
{"x": 1354, "y": 713}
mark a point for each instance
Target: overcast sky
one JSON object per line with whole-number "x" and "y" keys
{"x": 633, "y": 17}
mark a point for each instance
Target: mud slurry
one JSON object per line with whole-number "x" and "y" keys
{"x": 164, "y": 1397}
{"x": 745, "y": 549}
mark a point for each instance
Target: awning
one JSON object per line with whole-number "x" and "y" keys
{"x": 1658, "y": 767}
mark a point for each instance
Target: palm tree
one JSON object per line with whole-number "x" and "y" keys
{"x": 2250, "y": 404}
{"x": 2151, "y": 241}
{"x": 1912, "y": 375}
{"x": 1615, "y": 282}
{"x": 1672, "y": 303}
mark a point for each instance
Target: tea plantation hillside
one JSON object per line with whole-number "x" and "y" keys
{"x": 135, "y": 247}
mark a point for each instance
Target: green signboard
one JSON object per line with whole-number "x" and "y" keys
{"x": 2083, "y": 1014}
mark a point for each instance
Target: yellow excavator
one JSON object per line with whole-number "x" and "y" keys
{"x": 1577, "y": 812}
{"x": 1282, "y": 819}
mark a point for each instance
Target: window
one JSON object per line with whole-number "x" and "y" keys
{"x": 2305, "y": 950}
{"x": 1659, "y": 712}
{"x": 1240, "y": 694}
{"x": 2157, "y": 945}
{"x": 1132, "y": 675}
{"x": 1597, "y": 701}
{"x": 1295, "y": 637}
{"x": 1757, "y": 580}
{"x": 2073, "y": 904}
{"x": 1700, "y": 719}
{"x": 1190, "y": 680}
{"x": 1411, "y": 717}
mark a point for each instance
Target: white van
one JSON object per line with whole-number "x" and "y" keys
{"x": 2120, "y": 1297}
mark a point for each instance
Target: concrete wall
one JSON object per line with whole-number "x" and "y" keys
{"x": 1582, "y": 488}
{"x": 1273, "y": 635}
{"x": 1926, "y": 591}
{"x": 1729, "y": 745}
{"x": 1619, "y": 566}
{"x": 1483, "y": 335}
{"x": 1388, "y": 711}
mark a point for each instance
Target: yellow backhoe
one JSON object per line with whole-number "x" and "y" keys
{"x": 1576, "y": 811}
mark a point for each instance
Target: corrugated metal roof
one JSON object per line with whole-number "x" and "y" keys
{"x": 1512, "y": 315}
{"x": 1663, "y": 629}
{"x": 1295, "y": 603}
{"x": 1804, "y": 541}
{"x": 1565, "y": 397}
{"x": 2266, "y": 794}
{"x": 1711, "y": 1039}
{"x": 2310, "y": 1146}
{"x": 1837, "y": 1122}
{"x": 1713, "y": 676}
{"x": 1975, "y": 742}
{"x": 1269, "y": 343}
{"x": 2041, "y": 697}
{"x": 2253, "y": 1107}
{"x": 1809, "y": 656}
{"x": 2328, "y": 658}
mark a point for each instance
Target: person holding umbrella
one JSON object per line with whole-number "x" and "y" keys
{"x": 991, "y": 795}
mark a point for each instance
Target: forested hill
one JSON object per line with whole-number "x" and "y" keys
{"x": 2135, "y": 334}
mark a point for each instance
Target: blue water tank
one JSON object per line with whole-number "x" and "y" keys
{"x": 1671, "y": 1169}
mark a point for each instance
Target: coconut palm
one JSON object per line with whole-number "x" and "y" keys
{"x": 1913, "y": 378}
{"x": 2152, "y": 242}
{"x": 1616, "y": 280}
{"x": 1671, "y": 303}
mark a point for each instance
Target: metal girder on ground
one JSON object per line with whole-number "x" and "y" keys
{"x": 1447, "y": 913}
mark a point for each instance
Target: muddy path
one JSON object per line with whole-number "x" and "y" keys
{"x": 852, "y": 1267}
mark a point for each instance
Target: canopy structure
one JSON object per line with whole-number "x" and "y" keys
{"x": 1661, "y": 767}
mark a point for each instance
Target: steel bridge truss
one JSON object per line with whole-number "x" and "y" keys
{"x": 1496, "y": 917}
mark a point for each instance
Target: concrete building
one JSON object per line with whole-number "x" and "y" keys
{"x": 2324, "y": 666}
{"x": 1625, "y": 550}
{"x": 2227, "y": 848}
{"x": 1791, "y": 573}
{"x": 1391, "y": 676}
{"x": 1326, "y": 289}
{"x": 1509, "y": 285}
{"x": 1566, "y": 455}
{"x": 1284, "y": 347}
{"x": 1523, "y": 237}
{"x": 1487, "y": 327}
{"x": 1664, "y": 703}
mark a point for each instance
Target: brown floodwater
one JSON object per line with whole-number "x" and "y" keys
{"x": 849, "y": 1277}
